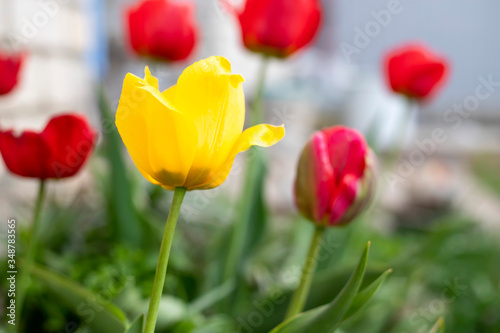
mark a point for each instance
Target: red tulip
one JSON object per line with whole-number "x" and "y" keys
{"x": 415, "y": 71}
{"x": 162, "y": 29}
{"x": 59, "y": 151}
{"x": 335, "y": 176}
{"x": 279, "y": 27}
{"x": 9, "y": 71}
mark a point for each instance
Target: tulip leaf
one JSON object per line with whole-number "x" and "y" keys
{"x": 438, "y": 327}
{"x": 248, "y": 229}
{"x": 326, "y": 318}
{"x": 137, "y": 325}
{"x": 94, "y": 310}
{"x": 121, "y": 205}
{"x": 257, "y": 223}
{"x": 365, "y": 295}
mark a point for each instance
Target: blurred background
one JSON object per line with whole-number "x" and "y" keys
{"x": 437, "y": 226}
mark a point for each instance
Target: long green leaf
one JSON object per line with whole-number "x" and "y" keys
{"x": 325, "y": 319}
{"x": 438, "y": 327}
{"x": 137, "y": 325}
{"x": 94, "y": 310}
{"x": 122, "y": 211}
{"x": 258, "y": 210}
{"x": 365, "y": 295}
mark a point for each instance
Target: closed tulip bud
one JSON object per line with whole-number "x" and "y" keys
{"x": 415, "y": 71}
{"x": 10, "y": 65}
{"x": 279, "y": 27}
{"x": 162, "y": 29}
{"x": 335, "y": 177}
{"x": 59, "y": 151}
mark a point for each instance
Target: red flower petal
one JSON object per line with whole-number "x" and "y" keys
{"x": 414, "y": 71}
{"x": 162, "y": 29}
{"x": 25, "y": 155}
{"x": 347, "y": 151}
{"x": 59, "y": 151}
{"x": 343, "y": 199}
{"x": 335, "y": 176}
{"x": 324, "y": 175}
{"x": 9, "y": 69}
{"x": 279, "y": 27}
{"x": 70, "y": 139}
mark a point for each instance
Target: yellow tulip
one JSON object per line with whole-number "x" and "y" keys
{"x": 188, "y": 135}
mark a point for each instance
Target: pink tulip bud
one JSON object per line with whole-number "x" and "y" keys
{"x": 335, "y": 177}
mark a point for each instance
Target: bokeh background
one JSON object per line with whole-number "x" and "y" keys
{"x": 437, "y": 227}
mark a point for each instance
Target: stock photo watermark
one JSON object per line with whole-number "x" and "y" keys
{"x": 453, "y": 117}
{"x": 11, "y": 271}
{"x": 291, "y": 278}
{"x": 364, "y": 35}
{"x": 423, "y": 318}
{"x": 31, "y": 26}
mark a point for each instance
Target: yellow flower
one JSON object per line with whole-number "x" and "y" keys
{"x": 189, "y": 135}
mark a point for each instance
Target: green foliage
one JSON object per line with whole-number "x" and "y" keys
{"x": 328, "y": 317}
{"x": 446, "y": 268}
{"x": 439, "y": 327}
{"x": 95, "y": 310}
{"x": 137, "y": 325}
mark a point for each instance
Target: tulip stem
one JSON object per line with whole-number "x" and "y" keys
{"x": 30, "y": 251}
{"x": 257, "y": 114}
{"x": 161, "y": 268}
{"x": 300, "y": 295}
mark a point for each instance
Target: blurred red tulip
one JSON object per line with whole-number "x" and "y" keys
{"x": 162, "y": 29}
{"x": 414, "y": 71}
{"x": 279, "y": 27}
{"x": 10, "y": 64}
{"x": 59, "y": 151}
{"x": 335, "y": 176}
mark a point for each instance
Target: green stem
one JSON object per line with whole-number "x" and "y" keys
{"x": 412, "y": 107}
{"x": 251, "y": 185}
{"x": 31, "y": 251}
{"x": 161, "y": 268}
{"x": 257, "y": 113}
{"x": 300, "y": 295}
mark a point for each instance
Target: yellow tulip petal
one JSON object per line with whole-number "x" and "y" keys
{"x": 131, "y": 123}
{"x": 150, "y": 79}
{"x": 262, "y": 135}
{"x": 214, "y": 98}
{"x": 190, "y": 134}
{"x": 173, "y": 141}
{"x": 169, "y": 94}
{"x": 161, "y": 141}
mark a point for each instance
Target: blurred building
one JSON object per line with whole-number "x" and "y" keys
{"x": 62, "y": 44}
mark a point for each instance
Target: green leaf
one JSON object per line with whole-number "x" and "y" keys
{"x": 94, "y": 310}
{"x": 248, "y": 229}
{"x": 137, "y": 325}
{"x": 438, "y": 327}
{"x": 121, "y": 205}
{"x": 326, "y": 318}
{"x": 365, "y": 295}
{"x": 257, "y": 224}
{"x": 251, "y": 220}
{"x": 212, "y": 297}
